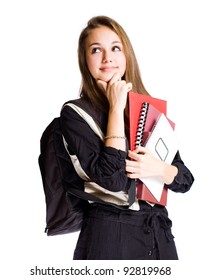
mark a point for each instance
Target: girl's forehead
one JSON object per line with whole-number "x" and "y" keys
{"x": 102, "y": 34}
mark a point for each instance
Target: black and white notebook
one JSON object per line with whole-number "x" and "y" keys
{"x": 162, "y": 143}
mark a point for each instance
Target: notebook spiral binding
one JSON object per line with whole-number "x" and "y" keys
{"x": 141, "y": 124}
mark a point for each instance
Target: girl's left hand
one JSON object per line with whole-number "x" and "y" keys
{"x": 143, "y": 164}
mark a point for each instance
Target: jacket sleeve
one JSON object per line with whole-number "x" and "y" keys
{"x": 103, "y": 165}
{"x": 184, "y": 178}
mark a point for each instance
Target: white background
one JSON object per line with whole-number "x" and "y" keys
{"x": 39, "y": 72}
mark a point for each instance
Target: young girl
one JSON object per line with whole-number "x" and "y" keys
{"x": 117, "y": 231}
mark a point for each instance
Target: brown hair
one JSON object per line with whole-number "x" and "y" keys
{"x": 89, "y": 88}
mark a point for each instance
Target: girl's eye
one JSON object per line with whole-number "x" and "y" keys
{"x": 116, "y": 48}
{"x": 96, "y": 50}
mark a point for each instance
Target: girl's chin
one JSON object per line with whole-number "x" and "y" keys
{"x": 107, "y": 78}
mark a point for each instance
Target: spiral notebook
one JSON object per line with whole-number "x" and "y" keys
{"x": 141, "y": 124}
{"x": 135, "y": 104}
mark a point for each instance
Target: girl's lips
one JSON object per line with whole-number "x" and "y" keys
{"x": 108, "y": 69}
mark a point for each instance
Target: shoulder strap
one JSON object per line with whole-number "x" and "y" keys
{"x": 94, "y": 126}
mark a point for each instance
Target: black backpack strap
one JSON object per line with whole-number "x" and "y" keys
{"x": 91, "y": 197}
{"x": 85, "y": 104}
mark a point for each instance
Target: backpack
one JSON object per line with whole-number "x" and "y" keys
{"x": 63, "y": 185}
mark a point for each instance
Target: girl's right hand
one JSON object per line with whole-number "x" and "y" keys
{"x": 116, "y": 91}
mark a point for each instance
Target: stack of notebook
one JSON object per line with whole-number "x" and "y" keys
{"x": 150, "y": 127}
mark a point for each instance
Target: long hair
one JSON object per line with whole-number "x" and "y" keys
{"x": 89, "y": 88}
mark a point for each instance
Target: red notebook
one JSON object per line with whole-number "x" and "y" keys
{"x": 135, "y": 105}
{"x": 143, "y": 193}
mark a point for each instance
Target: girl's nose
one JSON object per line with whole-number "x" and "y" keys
{"x": 106, "y": 57}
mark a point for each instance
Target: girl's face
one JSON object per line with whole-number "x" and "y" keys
{"x": 104, "y": 54}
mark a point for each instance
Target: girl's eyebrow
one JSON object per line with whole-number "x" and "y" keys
{"x": 116, "y": 42}
{"x": 96, "y": 43}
